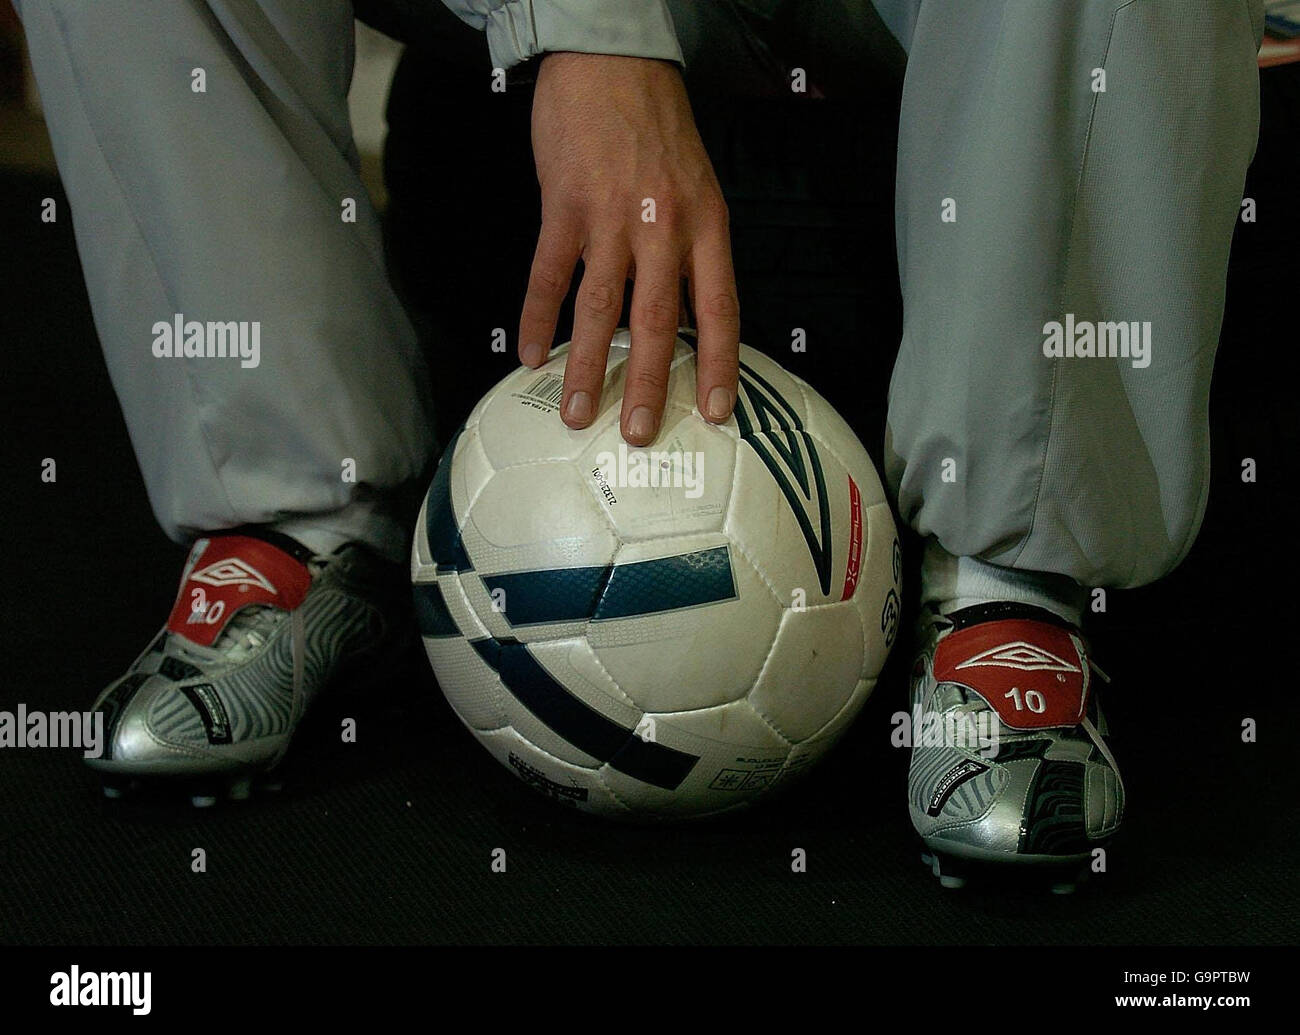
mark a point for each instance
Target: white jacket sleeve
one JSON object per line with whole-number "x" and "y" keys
{"x": 520, "y": 29}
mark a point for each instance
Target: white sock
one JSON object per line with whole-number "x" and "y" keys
{"x": 956, "y": 582}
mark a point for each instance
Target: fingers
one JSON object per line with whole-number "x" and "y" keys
{"x": 717, "y": 311}
{"x": 558, "y": 248}
{"x": 625, "y": 178}
{"x": 654, "y": 320}
{"x": 656, "y": 304}
{"x": 595, "y": 318}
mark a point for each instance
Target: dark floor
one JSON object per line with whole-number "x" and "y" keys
{"x": 388, "y": 841}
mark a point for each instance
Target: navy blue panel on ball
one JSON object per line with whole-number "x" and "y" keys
{"x": 604, "y": 592}
{"x": 440, "y": 519}
{"x": 554, "y": 595}
{"x": 431, "y": 612}
{"x": 577, "y": 722}
{"x": 653, "y": 763}
{"x": 667, "y": 583}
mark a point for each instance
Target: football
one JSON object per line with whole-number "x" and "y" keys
{"x": 657, "y": 632}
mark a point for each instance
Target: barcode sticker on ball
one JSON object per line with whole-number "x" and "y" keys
{"x": 546, "y": 390}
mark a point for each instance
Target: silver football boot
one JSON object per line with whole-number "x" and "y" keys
{"x": 1009, "y": 757}
{"x": 259, "y": 627}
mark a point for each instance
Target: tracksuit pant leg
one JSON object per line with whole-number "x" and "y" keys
{"x": 207, "y": 154}
{"x": 1063, "y": 163}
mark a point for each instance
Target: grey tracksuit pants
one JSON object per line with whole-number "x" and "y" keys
{"x": 1068, "y": 205}
{"x": 1027, "y": 196}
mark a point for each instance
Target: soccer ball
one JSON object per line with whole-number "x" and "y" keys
{"x": 660, "y": 632}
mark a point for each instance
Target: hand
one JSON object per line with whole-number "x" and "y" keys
{"x": 609, "y": 133}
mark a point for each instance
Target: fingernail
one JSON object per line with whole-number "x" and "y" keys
{"x": 719, "y": 403}
{"x": 641, "y": 423}
{"x": 533, "y": 354}
{"x": 578, "y": 409}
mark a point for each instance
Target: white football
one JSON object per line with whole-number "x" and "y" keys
{"x": 659, "y": 632}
